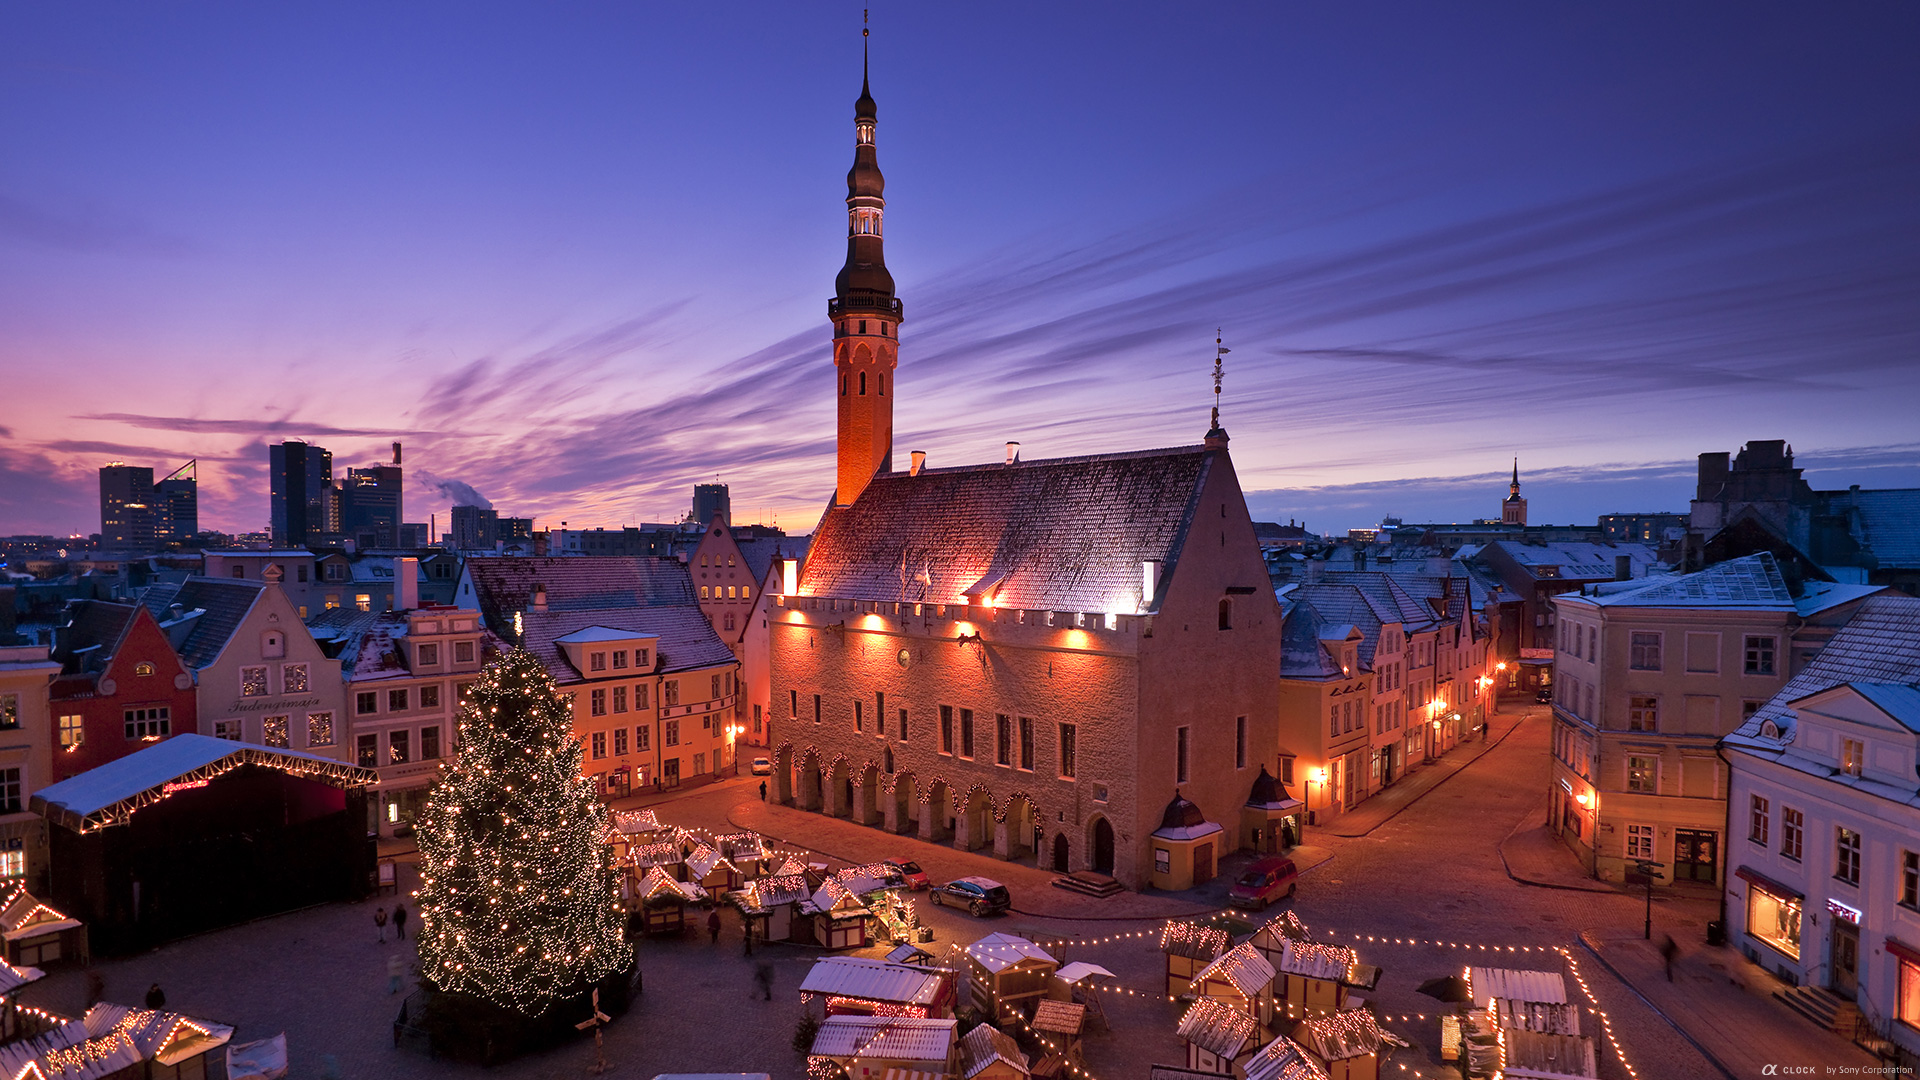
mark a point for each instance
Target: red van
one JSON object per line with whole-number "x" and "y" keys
{"x": 1267, "y": 880}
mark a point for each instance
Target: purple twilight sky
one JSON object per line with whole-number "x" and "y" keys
{"x": 577, "y": 256}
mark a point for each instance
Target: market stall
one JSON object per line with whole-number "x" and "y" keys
{"x": 1242, "y": 979}
{"x": 662, "y": 901}
{"x": 37, "y": 934}
{"x": 839, "y": 920}
{"x": 1006, "y": 973}
{"x": 116, "y": 1042}
{"x": 1189, "y": 948}
{"x": 771, "y": 906}
{"x": 1219, "y": 1037}
{"x": 1314, "y": 979}
{"x": 987, "y": 1053}
{"x": 858, "y": 986}
{"x": 1350, "y": 1045}
{"x": 875, "y": 1047}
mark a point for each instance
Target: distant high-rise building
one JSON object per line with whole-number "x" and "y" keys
{"x": 473, "y": 528}
{"x": 301, "y": 476}
{"x": 709, "y": 500}
{"x": 1514, "y": 510}
{"x": 415, "y": 534}
{"x": 179, "y": 499}
{"x": 128, "y": 516}
{"x": 370, "y": 508}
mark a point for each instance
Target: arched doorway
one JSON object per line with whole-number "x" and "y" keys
{"x": 906, "y": 804}
{"x": 809, "y": 781}
{"x": 1102, "y": 846}
{"x": 1017, "y": 817}
{"x": 1060, "y": 854}
{"x": 866, "y": 808}
{"x": 936, "y": 812}
{"x": 974, "y": 830}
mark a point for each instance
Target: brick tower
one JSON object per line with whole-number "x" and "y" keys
{"x": 866, "y": 318}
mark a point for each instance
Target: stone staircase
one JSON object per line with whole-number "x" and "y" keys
{"x": 1823, "y": 1007}
{"x": 1088, "y": 883}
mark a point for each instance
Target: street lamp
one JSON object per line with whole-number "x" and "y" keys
{"x": 1648, "y": 870}
{"x": 1317, "y": 776}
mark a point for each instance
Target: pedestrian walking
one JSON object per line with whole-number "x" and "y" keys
{"x": 1668, "y": 950}
{"x": 763, "y": 791}
{"x": 400, "y": 921}
{"x": 396, "y": 970}
{"x": 763, "y": 978}
{"x": 156, "y": 997}
{"x": 713, "y": 926}
{"x": 746, "y": 935}
{"x": 380, "y": 921}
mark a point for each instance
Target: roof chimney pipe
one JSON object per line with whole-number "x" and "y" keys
{"x": 919, "y": 462}
{"x": 1622, "y": 567}
{"x": 1013, "y": 453}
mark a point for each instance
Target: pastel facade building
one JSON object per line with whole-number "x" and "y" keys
{"x": 26, "y": 763}
{"x": 736, "y": 575}
{"x": 1824, "y": 882}
{"x": 1647, "y": 680}
{"x": 121, "y": 686}
{"x": 1024, "y": 652}
{"x": 653, "y": 688}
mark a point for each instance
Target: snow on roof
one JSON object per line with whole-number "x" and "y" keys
{"x": 895, "y": 1037}
{"x": 599, "y": 633}
{"x": 1533, "y": 1055}
{"x": 1316, "y": 961}
{"x": 636, "y": 821}
{"x": 1338, "y": 1036}
{"x": 109, "y": 1039}
{"x": 1195, "y": 941}
{"x": 24, "y": 916}
{"x": 1218, "y": 1028}
{"x": 776, "y": 889}
{"x": 1243, "y": 966}
{"x": 1749, "y": 583}
{"x": 873, "y": 980}
{"x": 1511, "y": 984}
{"x": 985, "y": 1045}
{"x": 1818, "y": 596}
{"x": 656, "y": 884}
{"x": 109, "y": 794}
{"x": 1880, "y": 643}
{"x": 1283, "y": 1059}
{"x": 1068, "y": 534}
{"x": 998, "y": 952}
{"x": 1901, "y": 702}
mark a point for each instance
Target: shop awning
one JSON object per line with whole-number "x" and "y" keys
{"x": 1754, "y": 877}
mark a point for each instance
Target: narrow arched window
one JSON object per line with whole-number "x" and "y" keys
{"x": 843, "y": 386}
{"x": 1226, "y": 613}
{"x": 863, "y": 384}
{"x": 883, "y": 384}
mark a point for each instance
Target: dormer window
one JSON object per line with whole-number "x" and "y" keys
{"x": 1853, "y": 756}
{"x": 1769, "y": 729}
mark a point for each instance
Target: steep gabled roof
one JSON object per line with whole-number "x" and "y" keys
{"x": 759, "y": 552}
{"x": 1880, "y": 644}
{"x": 1301, "y": 654}
{"x": 1067, "y": 534}
{"x": 92, "y": 635}
{"x": 1885, "y": 523}
{"x": 223, "y": 604}
{"x": 652, "y": 597}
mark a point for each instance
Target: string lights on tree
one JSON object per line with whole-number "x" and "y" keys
{"x": 518, "y": 901}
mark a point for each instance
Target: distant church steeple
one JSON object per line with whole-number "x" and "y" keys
{"x": 865, "y": 314}
{"x": 1514, "y": 510}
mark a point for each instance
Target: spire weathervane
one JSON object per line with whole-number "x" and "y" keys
{"x": 1219, "y": 351}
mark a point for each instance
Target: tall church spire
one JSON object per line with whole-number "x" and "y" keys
{"x": 1514, "y": 510}
{"x": 866, "y": 316}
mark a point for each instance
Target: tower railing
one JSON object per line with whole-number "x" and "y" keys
{"x": 864, "y": 302}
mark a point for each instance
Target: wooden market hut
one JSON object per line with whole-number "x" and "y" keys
{"x": 1526, "y": 1000}
{"x": 17, "y": 1021}
{"x": 661, "y": 901}
{"x": 1535, "y": 1055}
{"x": 664, "y": 854}
{"x": 1219, "y": 1037}
{"x": 1312, "y": 979}
{"x": 36, "y": 934}
{"x": 987, "y": 1053}
{"x": 839, "y": 919}
{"x": 748, "y": 853}
{"x": 1005, "y": 973}
{"x": 771, "y": 906}
{"x": 1060, "y": 1024}
{"x": 194, "y": 833}
{"x": 116, "y": 1042}
{"x": 1189, "y": 948}
{"x": 860, "y": 986}
{"x": 1350, "y": 1045}
{"x": 713, "y": 871}
{"x": 872, "y": 1047}
{"x": 1282, "y": 1059}
{"x": 1241, "y": 979}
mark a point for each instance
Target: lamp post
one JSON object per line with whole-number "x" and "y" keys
{"x": 1648, "y": 869}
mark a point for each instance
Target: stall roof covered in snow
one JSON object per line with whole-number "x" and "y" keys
{"x": 1218, "y": 1028}
{"x": 110, "y": 794}
{"x": 900, "y": 1038}
{"x": 1244, "y": 966}
{"x": 1283, "y": 1059}
{"x": 873, "y": 980}
{"x": 998, "y": 952}
{"x": 1511, "y": 984}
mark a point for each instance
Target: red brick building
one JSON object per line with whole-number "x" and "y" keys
{"x": 121, "y": 686}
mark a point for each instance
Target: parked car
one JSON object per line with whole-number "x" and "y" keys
{"x": 911, "y": 873}
{"x": 981, "y": 896}
{"x": 1267, "y": 880}
{"x": 1544, "y": 695}
{"x": 762, "y": 767}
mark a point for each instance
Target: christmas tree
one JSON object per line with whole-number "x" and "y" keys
{"x": 517, "y": 898}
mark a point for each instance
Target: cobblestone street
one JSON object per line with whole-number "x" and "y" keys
{"x": 1432, "y": 871}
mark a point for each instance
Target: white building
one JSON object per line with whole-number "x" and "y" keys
{"x": 1824, "y": 888}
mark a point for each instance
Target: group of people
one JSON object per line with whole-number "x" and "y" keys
{"x": 399, "y": 921}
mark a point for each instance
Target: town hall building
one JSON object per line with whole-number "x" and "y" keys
{"x": 1074, "y": 659}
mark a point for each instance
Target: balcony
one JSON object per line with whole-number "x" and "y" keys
{"x": 864, "y": 303}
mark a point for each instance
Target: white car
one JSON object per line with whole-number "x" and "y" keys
{"x": 762, "y": 767}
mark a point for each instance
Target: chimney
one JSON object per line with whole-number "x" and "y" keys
{"x": 1013, "y": 452}
{"x": 406, "y": 582}
{"x": 1622, "y": 567}
{"x": 1359, "y": 558}
{"x": 537, "y": 598}
{"x": 1149, "y": 582}
{"x": 1313, "y": 568}
{"x": 919, "y": 462}
{"x": 1439, "y": 566}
